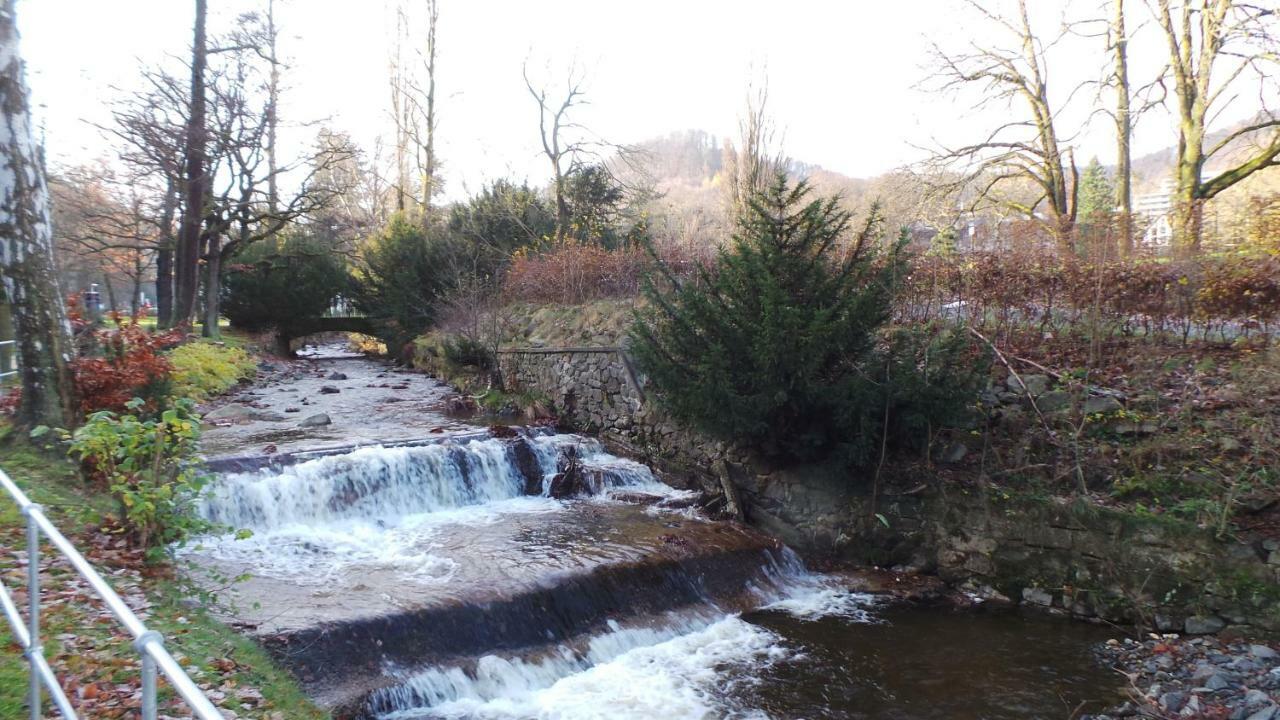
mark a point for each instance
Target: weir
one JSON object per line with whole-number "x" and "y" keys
{"x": 395, "y": 579}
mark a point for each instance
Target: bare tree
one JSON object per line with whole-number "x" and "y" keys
{"x": 108, "y": 226}
{"x": 240, "y": 208}
{"x": 149, "y": 127}
{"x": 426, "y": 136}
{"x": 754, "y": 164}
{"x": 561, "y": 150}
{"x": 1026, "y": 149}
{"x": 1118, "y": 44}
{"x": 1219, "y": 51}
{"x": 30, "y": 281}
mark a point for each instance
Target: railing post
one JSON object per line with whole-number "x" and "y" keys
{"x": 148, "y": 672}
{"x": 34, "y": 648}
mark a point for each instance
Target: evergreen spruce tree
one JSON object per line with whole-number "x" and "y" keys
{"x": 1097, "y": 193}
{"x": 770, "y": 346}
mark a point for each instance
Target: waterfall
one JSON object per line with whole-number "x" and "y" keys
{"x": 378, "y": 483}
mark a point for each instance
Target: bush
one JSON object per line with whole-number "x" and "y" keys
{"x": 1014, "y": 292}
{"x": 778, "y": 346}
{"x": 573, "y": 272}
{"x": 268, "y": 287}
{"x": 120, "y": 363}
{"x": 404, "y": 272}
{"x": 149, "y": 467}
{"x": 202, "y": 370}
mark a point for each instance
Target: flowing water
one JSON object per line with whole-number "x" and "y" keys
{"x": 439, "y": 579}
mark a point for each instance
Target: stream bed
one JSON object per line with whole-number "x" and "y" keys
{"x": 432, "y": 575}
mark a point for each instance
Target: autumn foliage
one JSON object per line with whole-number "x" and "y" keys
{"x": 118, "y": 361}
{"x": 574, "y": 272}
{"x": 1210, "y": 298}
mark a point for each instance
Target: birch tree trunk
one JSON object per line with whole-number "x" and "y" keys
{"x": 1124, "y": 128}
{"x": 45, "y": 345}
{"x": 429, "y": 163}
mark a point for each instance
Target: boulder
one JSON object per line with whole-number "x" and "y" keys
{"x": 1102, "y": 405}
{"x": 569, "y": 482}
{"x": 232, "y": 411}
{"x": 1053, "y": 401}
{"x": 1036, "y": 384}
{"x": 318, "y": 420}
{"x": 1036, "y": 596}
{"x": 527, "y": 463}
{"x": 337, "y": 376}
{"x": 1203, "y": 624}
{"x": 329, "y": 390}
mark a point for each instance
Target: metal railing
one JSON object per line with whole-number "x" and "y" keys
{"x": 149, "y": 644}
{"x": 8, "y": 358}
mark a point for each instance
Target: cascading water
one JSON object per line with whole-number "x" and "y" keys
{"x": 381, "y": 508}
{"x": 443, "y": 580}
{"x": 471, "y": 520}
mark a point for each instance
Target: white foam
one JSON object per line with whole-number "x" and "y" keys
{"x": 323, "y": 554}
{"x": 380, "y": 508}
{"x": 624, "y": 674}
{"x": 819, "y": 598}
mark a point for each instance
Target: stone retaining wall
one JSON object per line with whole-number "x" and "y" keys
{"x": 1078, "y": 559}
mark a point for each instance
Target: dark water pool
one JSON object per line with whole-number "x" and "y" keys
{"x": 926, "y": 663}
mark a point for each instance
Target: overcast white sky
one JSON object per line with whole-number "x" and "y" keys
{"x": 842, "y": 75}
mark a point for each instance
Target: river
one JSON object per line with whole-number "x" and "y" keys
{"x": 406, "y": 563}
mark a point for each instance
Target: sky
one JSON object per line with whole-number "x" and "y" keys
{"x": 844, "y": 77}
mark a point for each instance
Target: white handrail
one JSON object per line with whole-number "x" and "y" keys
{"x": 148, "y": 643}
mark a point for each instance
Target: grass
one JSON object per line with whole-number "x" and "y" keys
{"x": 86, "y": 651}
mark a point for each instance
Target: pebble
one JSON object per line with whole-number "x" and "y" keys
{"x": 1199, "y": 677}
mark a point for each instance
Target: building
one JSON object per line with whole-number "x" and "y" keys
{"x": 1154, "y": 210}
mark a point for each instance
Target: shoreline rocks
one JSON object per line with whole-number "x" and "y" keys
{"x": 1195, "y": 677}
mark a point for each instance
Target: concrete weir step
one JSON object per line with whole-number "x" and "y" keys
{"x": 532, "y": 579}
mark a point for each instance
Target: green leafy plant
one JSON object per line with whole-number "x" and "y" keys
{"x": 202, "y": 370}
{"x": 147, "y": 464}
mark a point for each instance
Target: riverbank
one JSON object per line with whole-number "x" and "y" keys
{"x": 1130, "y": 480}
{"x": 1194, "y": 677}
{"x": 92, "y": 657}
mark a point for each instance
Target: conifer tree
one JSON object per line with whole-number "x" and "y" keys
{"x": 766, "y": 346}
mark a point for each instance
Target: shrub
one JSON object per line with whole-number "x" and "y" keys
{"x": 403, "y": 274}
{"x": 127, "y": 362}
{"x": 148, "y": 466}
{"x": 573, "y": 272}
{"x": 202, "y": 370}
{"x": 269, "y": 287}
{"x": 778, "y": 346}
{"x": 1015, "y": 292}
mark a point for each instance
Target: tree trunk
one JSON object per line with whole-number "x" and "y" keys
{"x": 164, "y": 287}
{"x": 429, "y": 169}
{"x": 186, "y": 273}
{"x": 212, "y": 284}
{"x": 273, "y": 111}
{"x": 1124, "y": 130}
{"x": 164, "y": 257}
{"x": 45, "y": 345}
{"x": 111, "y": 293}
{"x": 135, "y": 292}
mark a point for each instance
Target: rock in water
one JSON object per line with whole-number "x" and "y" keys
{"x": 568, "y": 482}
{"x": 329, "y": 390}
{"x": 234, "y": 411}
{"x": 318, "y": 420}
{"x": 526, "y": 461}
{"x": 337, "y": 376}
